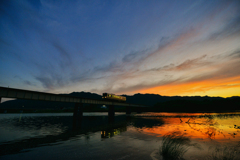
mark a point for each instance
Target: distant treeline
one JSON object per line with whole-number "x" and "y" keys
{"x": 205, "y": 105}
{"x": 155, "y": 102}
{"x": 214, "y": 105}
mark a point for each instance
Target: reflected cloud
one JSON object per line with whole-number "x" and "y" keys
{"x": 205, "y": 127}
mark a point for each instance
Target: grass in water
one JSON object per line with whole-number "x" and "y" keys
{"x": 174, "y": 146}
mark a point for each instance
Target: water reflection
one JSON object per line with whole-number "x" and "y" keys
{"x": 127, "y": 137}
{"x": 224, "y": 153}
{"x": 219, "y": 127}
{"x": 146, "y": 122}
{"x": 52, "y": 130}
{"x": 112, "y": 132}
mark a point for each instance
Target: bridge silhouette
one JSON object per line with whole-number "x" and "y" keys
{"x": 79, "y": 101}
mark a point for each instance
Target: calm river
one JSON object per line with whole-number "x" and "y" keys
{"x": 139, "y": 136}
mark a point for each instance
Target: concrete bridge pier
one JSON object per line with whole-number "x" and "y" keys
{"x": 111, "y": 113}
{"x": 77, "y": 115}
{"x": 128, "y": 110}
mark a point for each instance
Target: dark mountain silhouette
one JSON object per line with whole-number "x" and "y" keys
{"x": 196, "y": 105}
{"x": 154, "y": 101}
{"x": 86, "y": 95}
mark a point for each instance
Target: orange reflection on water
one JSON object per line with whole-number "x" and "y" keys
{"x": 205, "y": 128}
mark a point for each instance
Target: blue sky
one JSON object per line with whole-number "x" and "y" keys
{"x": 122, "y": 47}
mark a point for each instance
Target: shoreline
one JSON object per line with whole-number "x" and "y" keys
{"x": 5, "y": 111}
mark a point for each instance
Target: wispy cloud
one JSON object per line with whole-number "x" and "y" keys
{"x": 186, "y": 65}
{"x": 28, "y": 83}
{"x": 196, "y": 70}
{"x": 74, "y": 46}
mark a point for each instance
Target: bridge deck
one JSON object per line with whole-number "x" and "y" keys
{"x": 34, "y": 95}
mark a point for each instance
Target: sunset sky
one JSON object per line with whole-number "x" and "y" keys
{"x": 183, "y": 48}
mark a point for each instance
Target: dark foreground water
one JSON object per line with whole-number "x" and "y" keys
{"x": 139, "y": 136}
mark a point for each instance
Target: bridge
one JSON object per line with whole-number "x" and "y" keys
{"x": 78, "y": 109}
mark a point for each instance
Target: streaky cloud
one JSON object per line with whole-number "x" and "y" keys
{"x": 186, "y": 65}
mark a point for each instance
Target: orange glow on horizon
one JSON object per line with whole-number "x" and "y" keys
{"x": 214, "y": 87}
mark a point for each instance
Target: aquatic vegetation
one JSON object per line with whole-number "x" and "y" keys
{"x": 174, "y": 146}
{"x": 224, "y": 153}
